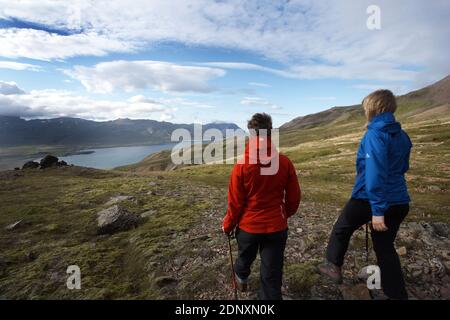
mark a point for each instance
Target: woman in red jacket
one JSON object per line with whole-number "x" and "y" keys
{"x": 259, "y": 205}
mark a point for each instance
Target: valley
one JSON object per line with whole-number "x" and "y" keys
{"x": 177, "y": 251}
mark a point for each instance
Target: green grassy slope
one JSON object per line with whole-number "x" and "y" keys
{"x": 179, "y": 251}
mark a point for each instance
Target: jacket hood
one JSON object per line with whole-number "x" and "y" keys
{"x": 385, "y": 122}
{"x": 260, "y": 150}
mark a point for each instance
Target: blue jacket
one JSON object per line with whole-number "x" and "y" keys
{"x": 381, "y": 163}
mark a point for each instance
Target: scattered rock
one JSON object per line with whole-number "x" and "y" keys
{"x": 151, "y": 184}
{"x": 441, "y": 229}
{"x": 117, "y": 199}
{"x": 49, "y": 161}
{"x": 363, "y": 275}
{"x": 401, "y": 251}
{"x": 115, "y": 219}
{"x": 148, "y": 213}
{"x": 14, "y": 225}
{"x": 355, "y": 292}
{"x": 201, "y": 237}
{"x": 30, "y": 165}
{"x": 62, "y": 163}
{"x": 165, "y": 281}
{"x": 434, "y": 188}
{"x": 179, "y": 261}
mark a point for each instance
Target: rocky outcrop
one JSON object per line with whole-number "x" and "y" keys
{"x": 49, "y": 161}
{"x": 62, "y": 163}
{"x": 115, "y": 219}
{"x": 30, "y": 165}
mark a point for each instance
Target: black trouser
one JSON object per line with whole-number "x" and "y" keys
{"x": 357, "y": 213}
{"x": 271, "y": 250}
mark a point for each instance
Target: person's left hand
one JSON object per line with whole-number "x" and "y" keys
{"x": 378, "y": 223}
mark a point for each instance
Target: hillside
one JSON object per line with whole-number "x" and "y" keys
{"x": 178, "y": 251}
{"x": 15, "y": 131}
{"x": 414, "y": 103}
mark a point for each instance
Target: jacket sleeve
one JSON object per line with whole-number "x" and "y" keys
{"x": 293, "y": 192}
{"x": 376, "y": 172}
{"x": 236, "y": 199}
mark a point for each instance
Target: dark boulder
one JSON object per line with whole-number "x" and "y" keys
{"x": 30, "y": 165}
{"x": 49, "y": 161}
{"x": 441, "y": 229}
{"x": 62, "y": 163}
{"x": 115, "y": 219}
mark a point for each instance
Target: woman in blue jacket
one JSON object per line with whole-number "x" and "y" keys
{"x": 379, "y": 195}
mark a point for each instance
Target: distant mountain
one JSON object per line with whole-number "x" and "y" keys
{"x": 424, "y": 102}
{"x": 15, "y": 131}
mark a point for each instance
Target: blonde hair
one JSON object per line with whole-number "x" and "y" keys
{"x": 378, "y": 102}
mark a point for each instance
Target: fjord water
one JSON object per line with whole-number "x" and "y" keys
{"x": 107, "y": 158}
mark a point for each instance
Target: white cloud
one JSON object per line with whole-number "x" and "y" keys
{"x": 251, "y": 67}
{"x": 18, "y": 66}
{"x": 131, "y": 75}
{"x": 256, "y": 101}
{"x": 9, "y": 88}
{"x": 166, "y": 117}
{"x": 259, "y": 84}
{"x": 373, "y": 70}
{"x": 319, "y": 38}
{"x": 60, "y": 103}
{"x": 57, "y": 103}
{"x": 42, "y": 45}
{"x": 187, "y": 103}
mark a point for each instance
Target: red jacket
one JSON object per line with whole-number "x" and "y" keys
{"x": 262, "y": 203}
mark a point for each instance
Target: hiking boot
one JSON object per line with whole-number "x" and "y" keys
{"x": 332, "y": 271}
{"x": 241, "y": 284}
{"x": 378, "y": 295}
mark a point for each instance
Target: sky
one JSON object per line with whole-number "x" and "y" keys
{"x": 188, "y": 61}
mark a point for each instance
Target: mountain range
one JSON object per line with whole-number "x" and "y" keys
{"x": 15, "y": 131}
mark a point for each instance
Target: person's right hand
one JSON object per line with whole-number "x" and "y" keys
{"x": 228, "y": 233}
{"x": 378, "y": 223}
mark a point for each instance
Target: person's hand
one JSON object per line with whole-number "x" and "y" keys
{"x": 378, "y": 223}
{"x": 227, "y": 233}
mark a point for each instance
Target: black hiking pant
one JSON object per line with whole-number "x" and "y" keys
{"x": 357, "y": 213}
{"x": 271, "y": 250}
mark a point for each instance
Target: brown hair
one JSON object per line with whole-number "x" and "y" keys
{"x": 378, "y": 102}
{"x": 260, "y": 121}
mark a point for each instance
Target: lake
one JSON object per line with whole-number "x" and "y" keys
{"x": 107, "y": 158}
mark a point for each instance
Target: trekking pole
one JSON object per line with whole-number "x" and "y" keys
{"x": 232, "y": 268}
{"x": 367, "y": 242}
